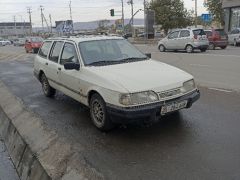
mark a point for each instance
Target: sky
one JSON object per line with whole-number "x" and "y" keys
{"x": 82, "y": 10}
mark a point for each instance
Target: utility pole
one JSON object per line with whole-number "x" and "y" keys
{"x": 50, "y": 18}
{"x": 41, "y": 8}
{"x": 144, "y": 5}
{"x": 29, "y": 10}
{"x": 196, "y": 16}
{"x": 123, "y": 29}
{"x": 131, "y": 3}
{"x": 14, "y": 19}
{"x": 70, "y": 9}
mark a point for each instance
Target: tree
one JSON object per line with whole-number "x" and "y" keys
{"x": 215, "y": 8}
{"x": 171, "y": 14}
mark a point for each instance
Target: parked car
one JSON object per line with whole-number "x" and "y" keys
{"x": 184, "y": 39}
{"x": 19, "y": 42}
{"x": 217, "y": 38}
{"x": 234, "y": 37}
{"x": 32, "y": 44}
{"x": 127, "y": 35}
{"x": 5, "y": 42}
{"x": 116, "y": 81}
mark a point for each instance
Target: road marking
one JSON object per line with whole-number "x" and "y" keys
{"x": 200, "y": 65}
{"x": 221, "y": 90}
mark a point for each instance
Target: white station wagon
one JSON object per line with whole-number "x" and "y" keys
{"x": 115, "y": 80}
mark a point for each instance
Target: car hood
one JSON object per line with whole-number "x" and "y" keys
{"x": 143, "y": 75}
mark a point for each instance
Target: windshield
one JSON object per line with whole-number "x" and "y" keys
{"x": 36, "y": 39}
{"x": 112, "y": 51}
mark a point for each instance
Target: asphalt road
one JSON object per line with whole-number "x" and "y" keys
{"x": 198, "y": 143}
{"x": 214, "y": 68}
{"x": 7, "y": 170}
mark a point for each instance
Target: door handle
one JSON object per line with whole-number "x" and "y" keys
{"x": 46, "y": 63}
{"x": 59, "y": 69}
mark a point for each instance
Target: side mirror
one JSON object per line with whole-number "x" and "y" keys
{"x": 149, "y": 55}
{"x": 71, "y": 66}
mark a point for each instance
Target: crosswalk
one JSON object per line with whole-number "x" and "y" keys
{"x": 15, "y": 56}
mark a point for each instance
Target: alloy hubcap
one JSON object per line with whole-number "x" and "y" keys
{"x": 97, "y": 112}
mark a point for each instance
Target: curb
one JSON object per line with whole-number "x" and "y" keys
{"x": 36, "y": 151}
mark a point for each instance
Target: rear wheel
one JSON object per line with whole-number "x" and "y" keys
{"x": 99, "y": 114}
{"x": 162, "y": 48}
{"x": 35, "y": 51}
{"x": 47, "y": 89}
{"x": 223, "y": 47}
{"x": 189, "y": 48}
{"x": 211, "y": 46}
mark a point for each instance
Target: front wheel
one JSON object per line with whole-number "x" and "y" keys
{"x": 189, "y": 49}
{"x": 35, "y": 50}
{"x": 162, "y": 48}
{"x": 47, "y": 89}
{"x": 235, "y": 43}
{"x": 99, "y": 113}
{"x": 223, "y": 47}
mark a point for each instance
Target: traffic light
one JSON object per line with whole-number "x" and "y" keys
{"x": 112, "y": 12}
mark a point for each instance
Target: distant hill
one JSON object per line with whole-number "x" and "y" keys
{"x": 93, "y": 24}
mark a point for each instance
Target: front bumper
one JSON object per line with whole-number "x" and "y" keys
{"x": 149, "y": 113}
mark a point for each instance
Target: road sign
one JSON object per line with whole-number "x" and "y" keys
{"x": 206, "y": 17}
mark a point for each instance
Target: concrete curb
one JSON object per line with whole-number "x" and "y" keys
{"x": 37, "y": 152}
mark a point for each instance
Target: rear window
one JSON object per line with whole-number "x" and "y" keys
{"x": 209, "y": 33}
{"x": 36, "y": 39}
{"x": 45, "y": 49}
{"x": 199, "y": 32}
{"x": 220, "y": 32}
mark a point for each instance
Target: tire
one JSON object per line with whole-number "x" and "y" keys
{"x": 162, "y": 48}
{"x": 98, "y": 113}
{"x": 223, "y": 47}
{"x": 203, "y": 50}
{"x": 26, "y": 50}
{"x": 235, "y": 43}
{"x": 35, "y": 51}
{"x": 189, "y": 48}
{"x": 47, "y": 89}
{"x": 211, "y": 46}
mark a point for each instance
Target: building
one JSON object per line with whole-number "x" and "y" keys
{"x": 232, "y": 14}
{"x": 11, "y": 29}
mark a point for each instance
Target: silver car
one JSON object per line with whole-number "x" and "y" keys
{"x": 184, "y": 39}
{"x": 234, "y": 37}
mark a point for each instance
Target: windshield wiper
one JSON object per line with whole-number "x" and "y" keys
{"x": 98, "y": 63}
{"x": 132, "y": 59}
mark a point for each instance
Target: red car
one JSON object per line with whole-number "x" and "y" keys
{"x": 217, "y": 38}
{"x": 32, "y": 44}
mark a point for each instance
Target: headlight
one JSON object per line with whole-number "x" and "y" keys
{"x": 138, "y": 98}
{"x": 188, "y": 86}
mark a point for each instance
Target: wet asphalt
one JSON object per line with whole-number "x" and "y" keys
{"x": 198, "y": 143}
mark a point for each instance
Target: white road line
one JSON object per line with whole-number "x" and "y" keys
{"x": 200, "y": 65}
{"x": 222, "y": 90}
{"x": 218, "y": 55}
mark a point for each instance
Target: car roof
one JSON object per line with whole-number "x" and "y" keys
{"x": 84, "y": 38}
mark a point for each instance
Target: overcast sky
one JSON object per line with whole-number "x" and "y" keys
{"x": 82, "y": 10}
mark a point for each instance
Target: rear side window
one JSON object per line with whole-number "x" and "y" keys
{"x": 199, "y": 32}
{"x": 69, "y": 54}
{"x": 56, "y": 49}
{"x": 45, "y": 49}
{"x": 173, "y": 35}
{"x": 184, "y": 33}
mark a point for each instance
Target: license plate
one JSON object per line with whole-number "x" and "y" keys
{"x": 173, "y": 107}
